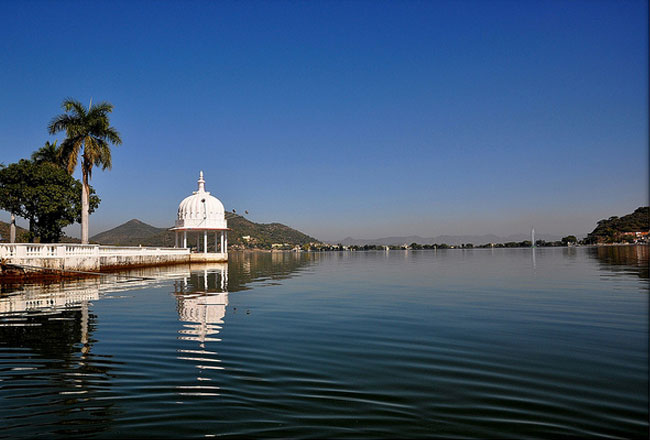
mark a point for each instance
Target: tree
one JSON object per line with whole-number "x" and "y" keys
{"x": 88, "y": 136}
{"x": 48, "y": 153}
{"x": 628, "y": 239}
{"x": 610, "y": 230}
{"x": 569, "y": 239}
{"x": 44, "y": 194}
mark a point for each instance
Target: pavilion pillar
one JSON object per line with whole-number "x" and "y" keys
{"x": 184, "y": 239}
{"x": 221, "y": 238}
{"x": 205, "y": 242}
{"x": 225, "y": 246}
{"x": 175, "y": 239}
{"x": 216, "y": 242}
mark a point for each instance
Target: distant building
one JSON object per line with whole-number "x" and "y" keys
{"x": 638, "y": 236}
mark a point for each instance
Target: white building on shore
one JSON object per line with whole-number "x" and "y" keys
{"x": 201, "y": 215}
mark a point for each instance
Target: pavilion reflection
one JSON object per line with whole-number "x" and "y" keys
{"x": 202, "y": 298}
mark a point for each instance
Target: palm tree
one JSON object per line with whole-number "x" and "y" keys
{"x": 49, "y": 153}
{"x": 88, "y": 136}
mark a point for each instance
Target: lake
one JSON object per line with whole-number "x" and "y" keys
{"x": 484, "y": 343}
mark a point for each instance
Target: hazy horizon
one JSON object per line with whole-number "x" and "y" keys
{"x": 75, "y": 230}
{"x": 363, "y": 119}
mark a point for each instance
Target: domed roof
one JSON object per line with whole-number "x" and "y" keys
{"x": 201, "y": 210}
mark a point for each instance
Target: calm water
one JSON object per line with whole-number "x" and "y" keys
{"x": 478, "y": 343}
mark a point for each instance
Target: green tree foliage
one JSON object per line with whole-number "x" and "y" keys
{"x": 611, "y": 229}
{"x": 88, "y": 136}
{"x": 569, "y": 239}
{"x": 627, "y": 239}
{"x": 44, "y": 194}
{"x": 48, "y": 153}
{"x": 264, "y": 234}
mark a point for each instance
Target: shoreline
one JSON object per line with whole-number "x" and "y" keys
{"x": 16, "y": 273}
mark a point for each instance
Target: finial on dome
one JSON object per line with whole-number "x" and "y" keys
{"x": 201, "y": 182}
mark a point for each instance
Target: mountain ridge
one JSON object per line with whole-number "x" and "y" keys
{"x": 21, "y": 233}
{"x": 136, "y": 232}
{"x": 131, "y": 232}
{"x": 612, "y": 229}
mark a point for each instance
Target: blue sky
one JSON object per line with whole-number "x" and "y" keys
{"x": 347, "y": 118}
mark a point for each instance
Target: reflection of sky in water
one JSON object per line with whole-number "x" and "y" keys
{"x": 372, "y": 340}
{"x": 75, "y": 343}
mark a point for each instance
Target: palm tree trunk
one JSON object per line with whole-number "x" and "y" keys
{"x": 84, "y": 206}
{"x": 12, "y": 229}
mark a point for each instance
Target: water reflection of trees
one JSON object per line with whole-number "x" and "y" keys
{"x": 247, "y": 267}
{"x": 46, "y": 352}
{"x": 50, "y": 379}
{"x": 629, "y": 259}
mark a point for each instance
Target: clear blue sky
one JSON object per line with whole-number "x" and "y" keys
{"x": 360, "y": 118}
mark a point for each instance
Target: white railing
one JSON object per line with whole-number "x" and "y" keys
{"x": 78, "y": 250}
{"x": 137, "y": 250}
{"x": 65, "y": 250}
{"x": 7, "y": 250}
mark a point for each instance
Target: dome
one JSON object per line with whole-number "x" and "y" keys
{"x": 201, "y": 210}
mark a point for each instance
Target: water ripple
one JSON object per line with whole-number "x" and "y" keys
{"x": 376, "y": 345}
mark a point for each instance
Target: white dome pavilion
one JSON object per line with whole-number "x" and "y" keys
{"x": 202, "y": 212}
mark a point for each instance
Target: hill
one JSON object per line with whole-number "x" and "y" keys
{"x": 612, "y": 229}
{"x": 21, "y": 233}
{"x": 135, "y": 232}
{"x": 264, "y": 233}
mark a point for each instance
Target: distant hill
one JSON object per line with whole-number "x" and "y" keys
{"x": 448, "y": 239}
{"x": 135, "y": 232}
{"x": 611, "y": 229}
{"x": 21, "y": 233}
{"x": 264, "y": 233}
